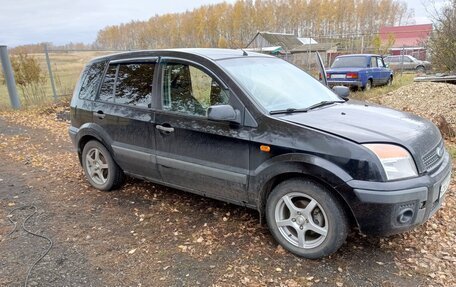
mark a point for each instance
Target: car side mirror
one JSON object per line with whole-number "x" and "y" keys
{"x": 341, "y": 91}
{"x": 223, "y": 113}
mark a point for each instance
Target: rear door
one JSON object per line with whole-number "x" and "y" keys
{"x": 193, "y": 153}
{"x": 375, "y": 71}
{"x": 123, "y": 111}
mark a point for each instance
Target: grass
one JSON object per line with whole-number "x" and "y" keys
{"x": 398, "y": 82}
{"x": 452, "y": 150}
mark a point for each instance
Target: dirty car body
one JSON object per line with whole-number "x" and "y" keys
{"x": 207, "y": 121}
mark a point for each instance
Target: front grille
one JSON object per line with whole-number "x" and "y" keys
{"x": 432, "y": 159}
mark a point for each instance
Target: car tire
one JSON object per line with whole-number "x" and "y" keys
{"x": 368, "y": 85}
{"x": 306, "y": 219}
{"x": 390, "y": 81}
{"x": 100, "y": 169}
{"x": 421, "y": 69}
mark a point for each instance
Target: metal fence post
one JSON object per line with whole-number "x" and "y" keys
{"x": 9, "y": 77}
{"x": 51, "y": 76}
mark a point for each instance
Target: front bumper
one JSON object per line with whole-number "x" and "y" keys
{"x": 385, "y": 208}
{"x": 357, "y": 84}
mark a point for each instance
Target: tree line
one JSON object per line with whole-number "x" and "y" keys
{"x": 234, "y": 25}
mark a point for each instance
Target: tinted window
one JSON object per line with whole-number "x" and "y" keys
{"x": 91, "y": 81}
{"x": 392, "y": 59}
{"x": 134, "y": 84}
{"x": 349, "y": 62}
{"x": 189, "y": 90}
{"x": 107, "y": 88}
{"x": 407, "y": 59}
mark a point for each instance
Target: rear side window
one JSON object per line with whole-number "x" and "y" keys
{"x": 373, "y": 62}
{"x": 91, "y": 81}
{"x": 107, "y": 89}
{"x": 134, "y": 84}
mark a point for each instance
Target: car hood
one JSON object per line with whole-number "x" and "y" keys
{"x": 344, "y": 70}
{"x": 365, "y": 123}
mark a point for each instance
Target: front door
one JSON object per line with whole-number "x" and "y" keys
{"x": 193, "y": 153}
{"x": 123, "y": 111}
{"x": 384, "y": 71}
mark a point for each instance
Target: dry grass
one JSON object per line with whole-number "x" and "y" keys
{"x": 398, "y": 82}
{"x": 66, "y": 67}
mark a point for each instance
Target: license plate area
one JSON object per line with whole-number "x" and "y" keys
{"x": 444, "y": 186}
{"x": 338, "y": 76}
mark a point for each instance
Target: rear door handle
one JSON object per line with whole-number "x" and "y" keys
{"x": 164, "y": 129}
{"x": 99, "y": 114}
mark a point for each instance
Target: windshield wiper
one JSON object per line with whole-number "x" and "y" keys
{"x": 314, "y": 106}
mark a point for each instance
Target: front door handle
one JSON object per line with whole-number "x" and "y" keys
{"x": 99, "y": 114}
{"x": 164, "y": 129}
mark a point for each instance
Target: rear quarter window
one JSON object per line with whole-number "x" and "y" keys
{"x": 91, "y": 78}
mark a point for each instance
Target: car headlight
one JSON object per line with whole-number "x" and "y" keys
{"x": 396, "y": 161}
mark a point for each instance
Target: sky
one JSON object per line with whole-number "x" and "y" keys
{"x": 64, "y": 21}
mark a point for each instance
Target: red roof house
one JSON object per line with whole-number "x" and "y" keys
{"x": 409, "y": 40}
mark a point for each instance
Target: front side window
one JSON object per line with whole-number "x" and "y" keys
{"x": 91, "y": 81}
{"x": 190, "y": 90}
{"x": 134, "y": 84}
{"x": 107, "y": 88}
{"x": 380, "y": 62}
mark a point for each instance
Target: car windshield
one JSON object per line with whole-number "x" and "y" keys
{"x": 350, "y": 62}
{"x": 276, "y": 84}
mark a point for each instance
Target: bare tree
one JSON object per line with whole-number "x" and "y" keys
{"x": 443, "y": 40}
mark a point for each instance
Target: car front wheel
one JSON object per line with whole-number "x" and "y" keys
{"x": 306, "y": 219}
{"x": 100, "y": 168}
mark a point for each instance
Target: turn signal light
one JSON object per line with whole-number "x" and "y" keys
{"x": 265, "y": 148}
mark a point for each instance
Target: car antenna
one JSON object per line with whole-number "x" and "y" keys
{"x": 244, "y": 53}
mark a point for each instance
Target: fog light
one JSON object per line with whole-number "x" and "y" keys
{"x": 405, "y": 216}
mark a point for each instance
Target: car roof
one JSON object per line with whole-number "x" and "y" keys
{"x": 213, "y": 54}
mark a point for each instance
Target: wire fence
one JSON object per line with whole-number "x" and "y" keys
{"x": 59, "y": 72}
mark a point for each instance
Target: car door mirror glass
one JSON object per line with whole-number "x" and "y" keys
{"x": 223, "y": 113}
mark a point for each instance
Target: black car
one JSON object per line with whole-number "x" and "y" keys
{"x": 256, "y": 131}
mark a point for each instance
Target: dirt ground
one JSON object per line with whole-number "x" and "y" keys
{"x": 150, "y": 235}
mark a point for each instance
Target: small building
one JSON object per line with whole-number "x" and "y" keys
{"x": 408, "y": 40}
{"x": 299, "y": 51}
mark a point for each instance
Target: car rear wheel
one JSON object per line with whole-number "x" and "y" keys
{"x": 306, "y": 219}
{"x": 368, "y": 85}
{"x": 100, "y": 168}
{"x": 420, "y": 69}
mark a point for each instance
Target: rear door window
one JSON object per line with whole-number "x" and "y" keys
{"x": 107, "y": 88}
{"x": 373, "y": 63}
{"x": 134, "y": 84}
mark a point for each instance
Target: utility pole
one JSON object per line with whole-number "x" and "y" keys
{"x": 48, "y": 61}
{"x": 9, "y": 77}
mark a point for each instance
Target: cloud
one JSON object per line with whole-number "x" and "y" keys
{"x": 64, "y": 21}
